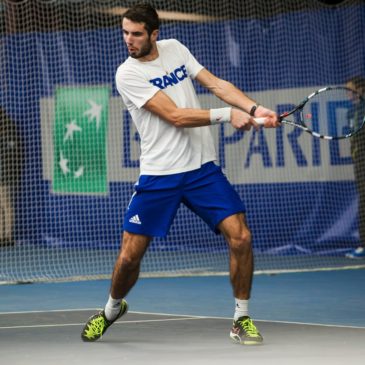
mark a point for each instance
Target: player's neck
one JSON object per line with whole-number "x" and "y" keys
{"x": 152, "y": 55}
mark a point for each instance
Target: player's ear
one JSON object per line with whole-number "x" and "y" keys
{"x": 154, "y": 35}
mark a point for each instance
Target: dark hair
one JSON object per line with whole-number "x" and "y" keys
{"x": 359, "y": 83}
{"x": 143, "y": 13}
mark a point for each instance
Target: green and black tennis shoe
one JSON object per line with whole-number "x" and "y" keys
{"x": 98, "y": 324}
{"x": 245, "y": 332}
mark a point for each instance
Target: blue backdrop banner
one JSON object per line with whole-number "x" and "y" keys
{"x": 295, "y": 205}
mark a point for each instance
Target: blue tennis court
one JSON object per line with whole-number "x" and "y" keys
{"x": 313, "y": 316}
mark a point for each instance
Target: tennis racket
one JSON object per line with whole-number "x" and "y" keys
{"x": 329, "y": 113}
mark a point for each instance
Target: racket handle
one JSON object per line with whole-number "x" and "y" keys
{"x": 260, "y": 121}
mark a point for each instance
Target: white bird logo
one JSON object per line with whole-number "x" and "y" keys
{"x": 63, "y": 164}
{"x": 94, "y": 112}
{"x": 71, "y": 128}
{"x": 79, "y": 172}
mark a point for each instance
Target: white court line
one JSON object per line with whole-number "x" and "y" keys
{"x": 55, "y": 310}
{"x": 259, "y": 320}
{"x": 83, "y": 323}
{"x": 181, "y": 317}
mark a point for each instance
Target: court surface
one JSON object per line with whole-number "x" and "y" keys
{"x": 140, "y": 338}
{"x": 41, "y": 323}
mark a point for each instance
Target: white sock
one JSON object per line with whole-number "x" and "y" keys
{"x": 241, "y": 308}
{"x": 112, "y": 308}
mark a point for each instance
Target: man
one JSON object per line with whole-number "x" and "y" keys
{"x": 357, "y": 84}
{"x": 177, "y": 163}
{"x": 10, "y": 170}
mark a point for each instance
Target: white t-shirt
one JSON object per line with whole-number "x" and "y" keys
{"x": 165, "y": 149}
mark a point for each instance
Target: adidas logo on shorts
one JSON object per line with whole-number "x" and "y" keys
{"x": 135, "y": 219}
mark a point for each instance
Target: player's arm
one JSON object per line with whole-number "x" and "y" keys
{"x": 163, "y": 106}
{"x": 230, "y": 94}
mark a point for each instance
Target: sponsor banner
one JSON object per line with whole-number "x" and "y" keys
{"x": 282, "y": 155}
{"x": 79, "y": 140}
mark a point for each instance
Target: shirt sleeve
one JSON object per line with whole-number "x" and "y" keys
{"x": 192, "y": 65}
{"x": 133, "y": 86}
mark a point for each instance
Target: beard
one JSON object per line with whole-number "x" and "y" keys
{"x": 144, "y": 51}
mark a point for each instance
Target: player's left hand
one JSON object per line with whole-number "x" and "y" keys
{"x": 272, "y": 119}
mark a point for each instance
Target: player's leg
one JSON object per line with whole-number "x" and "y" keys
{"x": 125, "y": 274}
{"x": 238, "y": 236}
{"x": 127, "y": 266}
{"x": 208, "y": 193}
{"x": 150, "y": 213}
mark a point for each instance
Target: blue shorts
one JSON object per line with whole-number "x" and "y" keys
{"x": 206, "y": 191}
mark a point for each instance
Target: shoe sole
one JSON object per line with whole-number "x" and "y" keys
{"x": 245, "y": 342}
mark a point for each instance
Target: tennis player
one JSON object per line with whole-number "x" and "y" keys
{"x": 177, "y": 163}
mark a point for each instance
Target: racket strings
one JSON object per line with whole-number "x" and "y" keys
{"x": 336, "y": 112}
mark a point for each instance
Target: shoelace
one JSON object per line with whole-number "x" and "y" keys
{"x": 249, "y": 327}
{"x": 96, "y": 326}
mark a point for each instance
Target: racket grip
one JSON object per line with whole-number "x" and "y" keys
{"x": 260, "y": 121}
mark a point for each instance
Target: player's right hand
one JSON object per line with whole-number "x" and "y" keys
{"x": 242, "y": 120}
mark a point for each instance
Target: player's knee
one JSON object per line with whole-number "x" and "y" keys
{"x": 129, "y": 263}
{"x": 241, "y": 242}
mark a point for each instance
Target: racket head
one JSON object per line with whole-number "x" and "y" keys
{"x": 333, "y": 113}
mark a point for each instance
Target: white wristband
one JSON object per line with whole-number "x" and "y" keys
{"x": 221, "y": 115}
